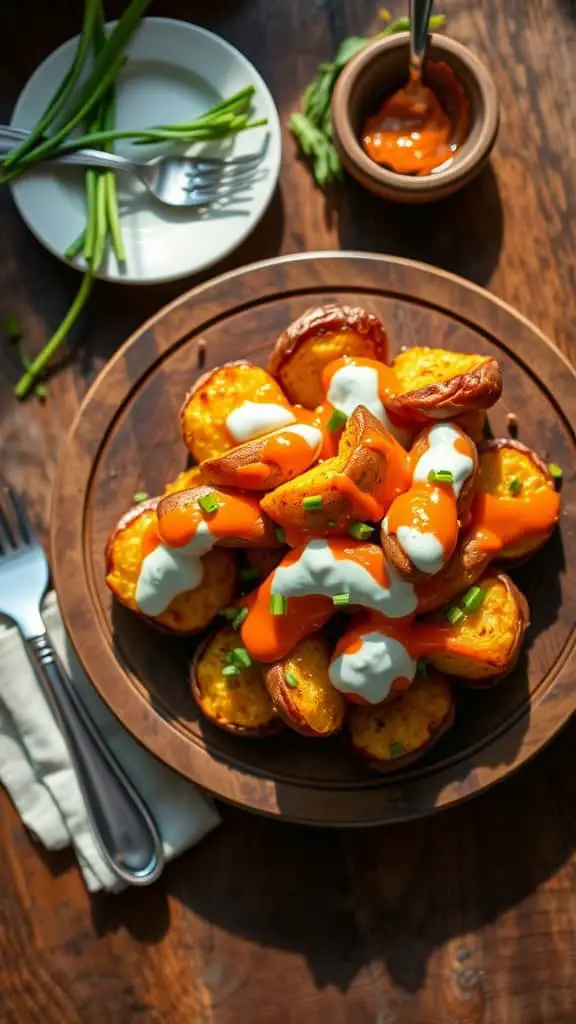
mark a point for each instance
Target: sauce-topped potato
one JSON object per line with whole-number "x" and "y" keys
{"x": 301, "y": 690}
{"x": 315, "y": 339}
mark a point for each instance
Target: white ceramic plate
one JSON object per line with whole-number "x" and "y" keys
{"x": 175, "y": 72}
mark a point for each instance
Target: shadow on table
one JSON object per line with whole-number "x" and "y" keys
{"x": 462, "y": 234}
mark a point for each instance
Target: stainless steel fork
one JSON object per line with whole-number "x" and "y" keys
{"x": 174, "y": 180}
{"x": 121, "y": 822}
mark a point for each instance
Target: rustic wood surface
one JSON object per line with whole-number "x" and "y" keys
{"x": 116, "y": 449}
{"x": 465, "y": 918}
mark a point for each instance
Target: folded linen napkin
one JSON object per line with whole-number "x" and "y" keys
{"x": 36, "y": 771}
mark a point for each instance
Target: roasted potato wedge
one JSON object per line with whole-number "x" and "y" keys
{"x": 466, "y": 566}
{"x": 215, "y": 395}
{"x": 268, "y": 461}
{"x": 316, "y": 339}
{"x": 438, "y": 384}
{"x": 185, "y": 480}
{"x": 485, "y": 645}
{"x": 301, "y": 690}
{"x": 238, "y": 703}
{"x": 395, "y": 734}
{"x": 188, "y": 612}
{"x": 238, "y": 522}
{"x": 344, "y": 485}
{"x": 511, "y": 471}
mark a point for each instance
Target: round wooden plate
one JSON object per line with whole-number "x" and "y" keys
{"x": 126, "y": 439}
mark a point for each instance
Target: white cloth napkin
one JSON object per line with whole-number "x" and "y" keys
{"x": 36, "y": 771}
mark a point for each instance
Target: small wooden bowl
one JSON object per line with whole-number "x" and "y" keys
{"x": 377, "y": 72}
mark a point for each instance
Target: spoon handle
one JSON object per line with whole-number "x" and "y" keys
{"x": 420, "y": 11}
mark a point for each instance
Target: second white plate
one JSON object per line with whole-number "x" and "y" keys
{"x": 175, "y": 72}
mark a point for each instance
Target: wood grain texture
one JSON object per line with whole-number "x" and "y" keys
{"x": 466, "y": 918}
{"x": 117, "y": 448}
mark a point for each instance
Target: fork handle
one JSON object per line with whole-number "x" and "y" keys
{"x": 121, "y": 822}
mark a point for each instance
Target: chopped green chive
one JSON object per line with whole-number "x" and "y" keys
{"x": 312, "y": 502}
{"x": 473, "y": 600}
{"x": 454, "y": 614}
{"x": 331, "y": 522}
{"x": 337, "y": 420}
{"x": 556, "y": 472}
{"x": 515, "y": 486}
{"x": 250, "y": 574}
{"x": 277, "y": 604}
{"x": 341, "y": 599}
{"x": 280, "y": 535}
{"x": 396, "y": 749}
{"x": 440, "y": 476}
{"x": 291, "y": 680}
{"x": 140, "y": 496}
{"x": 360, "y": 531}
{"x": 230, "y": 670}
{"x": 12, "y": 328}
{"x": 422, "y": 668}
{"x": 230, "y": 613}
{"x": 239, "y": 656}
{"x": 239, "y": 618}
{"x": 208, "y": 502}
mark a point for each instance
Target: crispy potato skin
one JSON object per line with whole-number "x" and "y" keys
{"x": 263, "y": 536}
{"x": 226, "y": 470}
{"x": 441, "y": 385}
{"x": 314, "y": 707}
{"x": 185, "y": 480}
{"x": 415, "y": 720}
{"x": 315, "y": 339}
{"x": 214, "y": 395}
{"x": 500, "y": 461}
{"x": 238, "y": 704}
{"x": 487, "y": 643}
{"x": 364, "y": 466}
{"x": 473, "y": 423}
{"x": 187, "y": 613}
{"x": 465, "y": 568}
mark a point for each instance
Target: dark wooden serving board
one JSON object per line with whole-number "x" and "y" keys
{"x": 126, "y": 439}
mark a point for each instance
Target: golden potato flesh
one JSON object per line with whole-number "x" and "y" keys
{"x": 185, "y": 480}
{"x": 302, "y": 691}
{"x": 418, "y": 367}
{"x": 188, "y": 612}
{"x": 237, "y": 703}
{"x": 506, "y": 469}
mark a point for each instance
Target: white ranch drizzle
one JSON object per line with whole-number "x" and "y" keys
{"x": 167, "y": 572}
{"x": 423, "y": 549}
{"x": 442, "y": 454}
{"x": 370, "y": 671}
{"x": 318, "y": 571}
{"x": 311, "y": 435}
{"x": 251, "y": 419}
{"x": 351, "y": 386}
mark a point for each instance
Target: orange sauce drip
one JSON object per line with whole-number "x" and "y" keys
{"x": 418, "y": 129}
{"x": 238, "y": 515}
{"x": 428, "y": 509}
{"x": 499, "y": 522}
{"x": 397, "y": 475}
{"x": 419, "y": 638}
{"x": 289, "y": 451}
{"x": 150, "y": 540}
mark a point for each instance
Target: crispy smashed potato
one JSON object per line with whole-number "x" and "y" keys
{"x": 465, "y": 567}
{"x": 302, "y": 692}
{"x": 508, "y": 468}
{"x": 485, "y": 645}
{"x": 267, "y": 461}
{"x": 316, "y": 339}
{"x": 437, "y": 384}
{"x": 261, "y": 533}
{"x": 211, "y": 399}
{"x": 188, "y": 612}
{"x": 237, "y": 703}
{"x": 363, "y": 467}
{"x": 394, "y": 734}
{"x": 185, "y": 480}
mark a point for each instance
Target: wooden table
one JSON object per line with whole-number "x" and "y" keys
{"x": 465, "y": 918}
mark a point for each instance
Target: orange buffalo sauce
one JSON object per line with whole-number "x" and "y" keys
{"x": 286, "y": 449}
{"x": 419, "y": 128}
{"x": 237, "y": 515}
{"x": 429, "y": 509}
{"x": 500, "y": 522}
{"x": 269, "y": 637}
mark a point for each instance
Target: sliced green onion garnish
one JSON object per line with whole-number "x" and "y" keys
{"x": 312, "y": 502}
{"x": 440, "y": 476}
{"x": 515, "y": 486}
{"x": 291, "y": 680}
{"x": 231, "y": 613}
{"x": 331, "y": 522}
{"x": 239, "y": 656}
{"x": 556, "y": 472}
{"x": 396, "y": 749}
{"x": 454, "y": 614}
{"x": 208, "y": 502}
{"x": 140, "y": 496}
{"x": 337, "y": 420}
{"x": 230, "y": 670}
{"x": 360, "y": 531}
{"x": 280, "y": 535}
{"x": 341, "y": 599}
{"x": 249, "y": 574}
{"x": 12, "y": 328}
{"x": 239, "y": 617}
{"x": 473, "y": 599}
{"x": 277, "y": 604}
